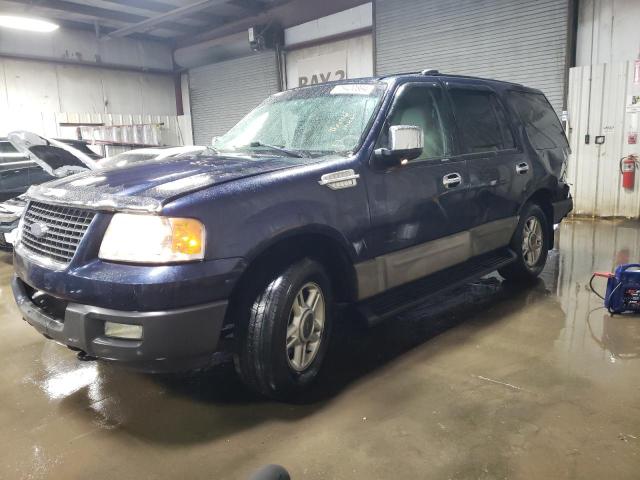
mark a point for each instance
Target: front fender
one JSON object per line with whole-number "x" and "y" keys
{"x": 246, "y": 216}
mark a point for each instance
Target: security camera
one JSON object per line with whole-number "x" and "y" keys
{"x": 262, "y": 37}
{"x": 256, "y": 39}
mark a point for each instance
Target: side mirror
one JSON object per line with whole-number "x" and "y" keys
{"x": 405, "y": 143}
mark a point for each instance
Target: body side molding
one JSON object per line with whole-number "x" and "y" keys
{"x": 396, "y": 268}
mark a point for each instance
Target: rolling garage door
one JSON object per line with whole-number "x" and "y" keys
{"x": 520, "y": 41}
{"x": 222, "y": 93}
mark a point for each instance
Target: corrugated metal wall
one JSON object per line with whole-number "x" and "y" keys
{"x": 521, "y": 41}
{"x": 597, "y": 105}
{"x": 223, "y": 93}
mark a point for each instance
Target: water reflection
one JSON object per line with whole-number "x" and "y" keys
{"x": 592, "y": 341}
{"x": 65, "y": 383}
{"x": 617, "y": 334}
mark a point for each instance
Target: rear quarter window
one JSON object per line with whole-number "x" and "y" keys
{"x": 540, "y": 120}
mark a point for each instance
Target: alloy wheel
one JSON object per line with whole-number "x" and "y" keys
{"x": 305, "y": 327}
{"x": 532, "y": 241}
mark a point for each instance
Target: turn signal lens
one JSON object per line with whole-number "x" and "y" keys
{"x": 187, "y": 236}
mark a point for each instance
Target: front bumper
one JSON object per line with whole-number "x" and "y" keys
{"x": 172, "y": 340}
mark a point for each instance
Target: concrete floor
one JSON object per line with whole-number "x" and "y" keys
{"x": 493, "y": 382}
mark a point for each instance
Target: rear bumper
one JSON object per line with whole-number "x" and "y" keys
{"x": 561, "y": 209}
{"x": 172, "y": 340}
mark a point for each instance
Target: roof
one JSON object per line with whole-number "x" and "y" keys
{"x": 435, "y": 73}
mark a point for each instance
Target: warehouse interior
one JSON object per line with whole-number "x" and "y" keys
{"x": 489, "y": 379}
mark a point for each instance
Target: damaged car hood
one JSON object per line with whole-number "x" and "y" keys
{"x": 54, "y": 157}
{"x": 149, "y": 186}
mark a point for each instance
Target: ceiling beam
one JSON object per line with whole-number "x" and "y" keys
{"x": 203, "y": 18}
{"x": 248, "y": 6}
{"x": 285, "y": 12}
{"x": 99, "y": 13}
{"x": 163, "y": 18}
{"x": 79, "y": 25}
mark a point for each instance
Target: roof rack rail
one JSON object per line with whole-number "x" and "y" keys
{"x": 430, "y": 71}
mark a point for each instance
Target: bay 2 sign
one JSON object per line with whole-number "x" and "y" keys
{"x": 322, "y": 68}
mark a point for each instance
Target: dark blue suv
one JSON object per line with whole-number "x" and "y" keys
{"x": 368, "y": 193}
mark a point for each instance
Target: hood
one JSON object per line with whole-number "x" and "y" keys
{"x": 149, "y": 186}
{"x": 56, "y": 158}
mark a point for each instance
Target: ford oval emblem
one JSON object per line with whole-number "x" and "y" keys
{"x": 38, "y": 230}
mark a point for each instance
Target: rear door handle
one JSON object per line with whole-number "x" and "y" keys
{"x": 451, "y": 180}
{"x": 522, "y": 168}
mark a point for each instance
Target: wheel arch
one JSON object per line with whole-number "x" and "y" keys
{"x": 316, "y": 242}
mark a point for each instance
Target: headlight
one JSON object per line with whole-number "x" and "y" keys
{"x": 18, "y": 238}
{"x": 152, "y": 239}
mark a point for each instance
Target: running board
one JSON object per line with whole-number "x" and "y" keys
{"x": 404, "y": 297}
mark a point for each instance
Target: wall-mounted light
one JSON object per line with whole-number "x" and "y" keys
{"x": 29, "y": 24}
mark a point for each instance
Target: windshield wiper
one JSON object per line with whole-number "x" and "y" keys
{"x": 290, "y": 153}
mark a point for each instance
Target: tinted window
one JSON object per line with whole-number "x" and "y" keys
{"x": 540, "y": 120}
{"x": 482, "y": 121}
{"x": 56, "y": 157}
{"x": 11, "y": 157}
{"x": 6, "y": 147}
{"x": 423, "y": 107}
{"x": 82, "y": 147}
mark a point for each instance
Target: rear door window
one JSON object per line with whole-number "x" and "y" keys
{"x": 482, "y": 120}
{"x": 540, "y": 120}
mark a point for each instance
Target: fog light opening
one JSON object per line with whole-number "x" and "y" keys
{"x": 123, "y": 330}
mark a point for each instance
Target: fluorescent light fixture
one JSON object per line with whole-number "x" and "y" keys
{"x": 25, "y": 23}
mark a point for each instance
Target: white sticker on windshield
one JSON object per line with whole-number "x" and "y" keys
{"x": 353, "y": 89}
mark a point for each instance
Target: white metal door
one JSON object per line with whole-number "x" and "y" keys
{"x": 601, "y": 104}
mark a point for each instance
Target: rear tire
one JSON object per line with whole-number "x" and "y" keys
{"x": 531, "y": 244}
{"x": 283, "y": 338}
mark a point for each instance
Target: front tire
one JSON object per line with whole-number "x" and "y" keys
{"x": 284, "y": 337}
{"x": 531, "y": 244}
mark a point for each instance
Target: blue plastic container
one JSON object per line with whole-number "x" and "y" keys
{"x": 623, "y": 289}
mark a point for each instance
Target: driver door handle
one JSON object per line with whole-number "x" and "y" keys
{"x": 522, "y": 168}
{"x": 452, "y": 180}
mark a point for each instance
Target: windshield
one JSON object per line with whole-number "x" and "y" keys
{"x": 310, "y": 121}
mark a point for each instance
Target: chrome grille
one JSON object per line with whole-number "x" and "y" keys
{"x": 63, "y": 228}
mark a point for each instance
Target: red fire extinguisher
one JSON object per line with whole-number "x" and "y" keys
{"x": 628, "y": 170}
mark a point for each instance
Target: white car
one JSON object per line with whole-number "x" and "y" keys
{"x": 146, "y": 154}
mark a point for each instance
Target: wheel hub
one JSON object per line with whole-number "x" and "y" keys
{"x": 306, "y": 325}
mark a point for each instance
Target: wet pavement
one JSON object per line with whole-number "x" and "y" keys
{"x": 491, "y": 381}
